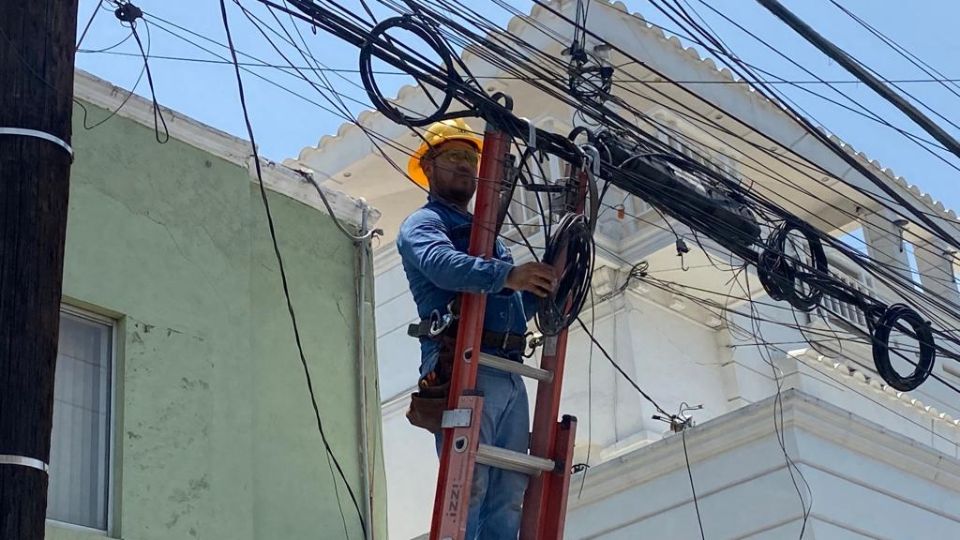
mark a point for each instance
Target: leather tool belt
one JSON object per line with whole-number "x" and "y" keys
{"x": 430, "y": 400}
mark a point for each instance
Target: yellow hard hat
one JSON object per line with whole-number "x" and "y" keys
{"x": 438, "y": 133}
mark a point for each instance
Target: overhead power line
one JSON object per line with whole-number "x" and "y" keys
{"x": 811, "y": 82}
{"x": 861, "y": 73}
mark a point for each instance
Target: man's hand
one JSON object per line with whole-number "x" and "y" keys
{"x": 534, "y": 277}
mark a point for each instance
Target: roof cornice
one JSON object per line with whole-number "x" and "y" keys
{"x": 747, "y": 424}
{"x": 279, "y": 178}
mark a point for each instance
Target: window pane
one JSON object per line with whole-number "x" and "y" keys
{"x": 80, "y": 446}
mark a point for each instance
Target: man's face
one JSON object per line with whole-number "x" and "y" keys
{"x": 452, "y": 171}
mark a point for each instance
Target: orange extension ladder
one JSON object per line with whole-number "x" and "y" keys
{"x": 548, "y": 462}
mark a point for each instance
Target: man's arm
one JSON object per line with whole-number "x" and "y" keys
{"x": 424, "y": 242}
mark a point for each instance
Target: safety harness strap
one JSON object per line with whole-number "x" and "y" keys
{"x": 499, "y": 340}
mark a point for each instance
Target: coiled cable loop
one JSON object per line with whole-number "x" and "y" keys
{"x": 881, "y": 347}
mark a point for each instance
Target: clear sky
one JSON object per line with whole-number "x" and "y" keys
{"x": 285, "y": 123}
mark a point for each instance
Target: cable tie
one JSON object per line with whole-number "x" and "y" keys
{"x": 24, "y": 132}
{"x": 23, "y": 461}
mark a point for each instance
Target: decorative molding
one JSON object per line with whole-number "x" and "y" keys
{"x": 869, "y": 381}
{"x": 294, "y": 184}
{"x": 602, "y": 311}
{"x": 750, "y": 423}
{"x": 676, "y": 305}
{"x": 98, "y": 92}
{"x": 606, "y": 281}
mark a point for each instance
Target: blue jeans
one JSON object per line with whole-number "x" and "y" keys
{"x": 497, "y": 495}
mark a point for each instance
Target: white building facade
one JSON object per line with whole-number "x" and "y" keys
{"x": 834, "y": 452}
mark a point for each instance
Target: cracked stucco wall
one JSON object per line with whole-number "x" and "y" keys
{"x": 215, "y": 434}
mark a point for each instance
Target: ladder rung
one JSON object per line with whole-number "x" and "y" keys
{"x": 513, "y": 461}
{"x": 519, "y": 368}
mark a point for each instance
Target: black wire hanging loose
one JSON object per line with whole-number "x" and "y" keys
{"x": 128, "y": 13}
{"x": 158, "y": 119}
{"x": 331, "y": 457}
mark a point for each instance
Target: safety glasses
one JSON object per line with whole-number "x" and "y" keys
{"x": 459, "y": 156}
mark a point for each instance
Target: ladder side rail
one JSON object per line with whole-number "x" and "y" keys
{"x": 451, "y": 503}
{"x": 555, "y": 512}
{"x": 543, "y": 437}
{"x": 540, "y": 501}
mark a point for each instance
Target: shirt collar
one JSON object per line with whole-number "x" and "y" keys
{"x": 455, "y": 208}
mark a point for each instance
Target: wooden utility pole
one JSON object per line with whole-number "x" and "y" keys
{"x": 37, "y": 41}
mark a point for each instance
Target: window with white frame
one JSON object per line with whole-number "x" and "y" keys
{"x": 80, "y": 454}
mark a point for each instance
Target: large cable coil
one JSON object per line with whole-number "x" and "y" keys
{"x": 881, "y": 347}
{"x": 782, "y": 276}
{"x": 379, "y": 38}
{"x": 570, "y": 251}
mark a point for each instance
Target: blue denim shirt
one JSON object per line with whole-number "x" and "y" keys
{"x": 433, "y": 245}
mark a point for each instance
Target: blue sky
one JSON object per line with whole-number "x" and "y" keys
{"x": 285, "y": 123}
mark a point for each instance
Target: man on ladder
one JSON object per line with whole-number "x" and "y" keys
{"x": 433, "y": 247}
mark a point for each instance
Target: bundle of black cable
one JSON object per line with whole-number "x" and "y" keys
{"x": 380, "y": 45}
{"x": 570, "y": 251}
{"x": 780, "y": 275}
{"x": 700, "y": 199}
{"x": 918, "y": 329}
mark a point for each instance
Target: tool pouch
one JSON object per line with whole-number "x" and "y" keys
{"x": 427, "y": 406}
{"x": 429, "y": 402}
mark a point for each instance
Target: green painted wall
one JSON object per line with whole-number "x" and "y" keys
{"x": 216, "y": 437}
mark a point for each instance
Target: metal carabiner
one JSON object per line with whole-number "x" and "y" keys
{"x": 535, "y": 341}
{"x": 439, "y": 323}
